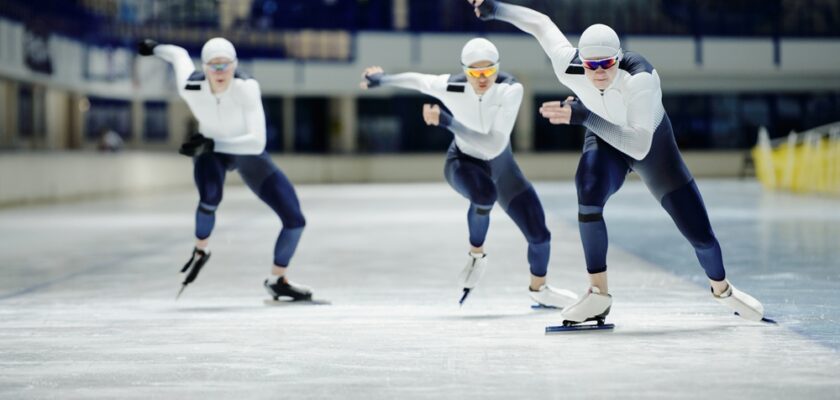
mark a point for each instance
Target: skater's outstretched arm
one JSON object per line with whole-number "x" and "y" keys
{"x": 433, "y": 85}
{"x": 538, "y": 25}
{"x": 496, "y": 135}
{"x": 643, "y": 113}
{"x": 247, "y": 93}
{"x": 180, "y": 60}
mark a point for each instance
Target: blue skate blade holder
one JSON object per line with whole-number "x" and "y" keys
{"x": 765, "y": 319}
{"x": 544, "y": 307}
{"x": 578, "y": 328}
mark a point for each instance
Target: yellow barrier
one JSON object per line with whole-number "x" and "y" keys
{"x": 803, "y": 163}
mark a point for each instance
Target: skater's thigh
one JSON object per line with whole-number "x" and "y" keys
{"x": 527, "y": 213}
{"x": 601, "y": 172}
{"x": 209, "y": 170}
{"x": 472, "y": 180}
{"x": 663, "y": 169}
{"x": 510, "y": 181}
{"x": 272, "y": 186}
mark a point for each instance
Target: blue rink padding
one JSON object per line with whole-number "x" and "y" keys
{"x": 578, "y": 328}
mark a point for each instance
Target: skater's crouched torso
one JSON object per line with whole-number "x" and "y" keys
{"x": 234, "y": 119}
{"x": 484, "y": 121}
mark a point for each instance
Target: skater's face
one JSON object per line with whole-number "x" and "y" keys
{"x": 481, "y": 75}
{"x": 220, "y": 73}
{"x": 601, "y": 70}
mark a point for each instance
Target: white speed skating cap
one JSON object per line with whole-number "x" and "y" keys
{"x": 479, "y": 49}
{"x": 598, "y": 41}
{"x": 217, "y": 47}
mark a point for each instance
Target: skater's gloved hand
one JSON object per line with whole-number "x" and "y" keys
{"x": 146, "y": 47}
{"x": 569, "y": 111}
{"x": 484, "y": 9}
{"x": 197, "y": 145}
{"x": 372, "y": 77}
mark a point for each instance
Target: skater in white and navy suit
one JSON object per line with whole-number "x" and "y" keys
{"x": 228, "y": 107}
{"x": 619, "y": 101}
{"x": 482, "y": 107}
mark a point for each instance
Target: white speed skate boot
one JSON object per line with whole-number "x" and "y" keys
{"x": 593, "y": 306}
{"x": 472, "y": 273}
{"x": 550, "y": 297}
{"x": 744, "y": 305}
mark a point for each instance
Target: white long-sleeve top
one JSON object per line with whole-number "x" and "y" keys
{"x": 482, "y": 123}
{"x": 627, "y": 113}
{"x": 234, "y": 119}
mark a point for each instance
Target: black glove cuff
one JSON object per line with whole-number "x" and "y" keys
{"x": 445, "y": 120}
{"x": 487, "y": 10}
{"x": 197, "y": 145}
{"x": 374, "y": 80}
{"x": 579, "y": 112}
{"x": 146, "y": 47}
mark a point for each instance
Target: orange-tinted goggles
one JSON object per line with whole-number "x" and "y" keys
{"x": 483, "y": 71}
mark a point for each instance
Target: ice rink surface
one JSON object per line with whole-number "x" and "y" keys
{"x": 87, "y": 306}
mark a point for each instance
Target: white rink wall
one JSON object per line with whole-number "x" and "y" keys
{"x": 57, "y": 176}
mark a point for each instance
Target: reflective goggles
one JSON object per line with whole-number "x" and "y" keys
{"x": 219, "y": 67}
{"x": 605, "y": 63}
{"x": 482, "y": 71}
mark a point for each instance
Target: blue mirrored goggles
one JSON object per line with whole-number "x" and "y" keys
{"x": 219, "y": 67}
{"x": 605, "y": 63}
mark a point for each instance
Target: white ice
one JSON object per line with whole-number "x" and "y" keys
{"x": 87, "y": 306}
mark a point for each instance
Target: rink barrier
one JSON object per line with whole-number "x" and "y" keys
{"x": 38, "y": 177}
{"x": 805, "y": 162}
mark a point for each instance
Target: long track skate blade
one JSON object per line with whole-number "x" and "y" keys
{"x": 311, "y": 302}
{"x": 765, "y": 319}
{"x": 178, "y": 296}
{"x": 464, "y": 296}
{"x": 544, "y": 307}
{"x": 578, "y": 328}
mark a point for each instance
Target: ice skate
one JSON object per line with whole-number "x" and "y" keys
{"x": 472, "y": 273}
{"x": 282, "y": 287}
{"x": 592, "y": 307}
{"x": 194, "y": 264}
{"x": 744, "y": 305}
{"x": 548, "y": 297}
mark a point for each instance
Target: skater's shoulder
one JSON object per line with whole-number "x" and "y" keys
{"x": 246, "y": 85}
{"x": 634, "y": 63}
{"x": 196, "y": 76}
{"x": 506, "y": 78}
{"x": 456, "y": 83}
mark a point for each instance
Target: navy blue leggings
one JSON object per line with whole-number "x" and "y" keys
{"x": 601, "y": 172}
{"x": 500, "y": 180}
{"x": 265, "y": 180}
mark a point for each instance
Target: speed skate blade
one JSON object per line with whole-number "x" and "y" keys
{"x": 765, "y": 319}
{"x": 281, "y": 303}
{"x": 544, "y": 307}
{"x": 178, "y": 296}
{"x": 578, "y": 328}
{"x": 464, "y": 296}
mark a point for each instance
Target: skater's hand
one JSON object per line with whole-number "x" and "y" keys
{"x": 476, "y": 4}
{"x": 557, "y": 112}
{"x": 484, "y": 9}
{"x": 431, "y": 114}
{"x": 146, "y": 47}
{"x": 197, "y": 145}
{"x": 371, "y": 77}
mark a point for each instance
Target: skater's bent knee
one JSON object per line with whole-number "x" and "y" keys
{"x": 295, "y": 221}
{"x": 207, "y": 208}
{"x": 482, "y": 210}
